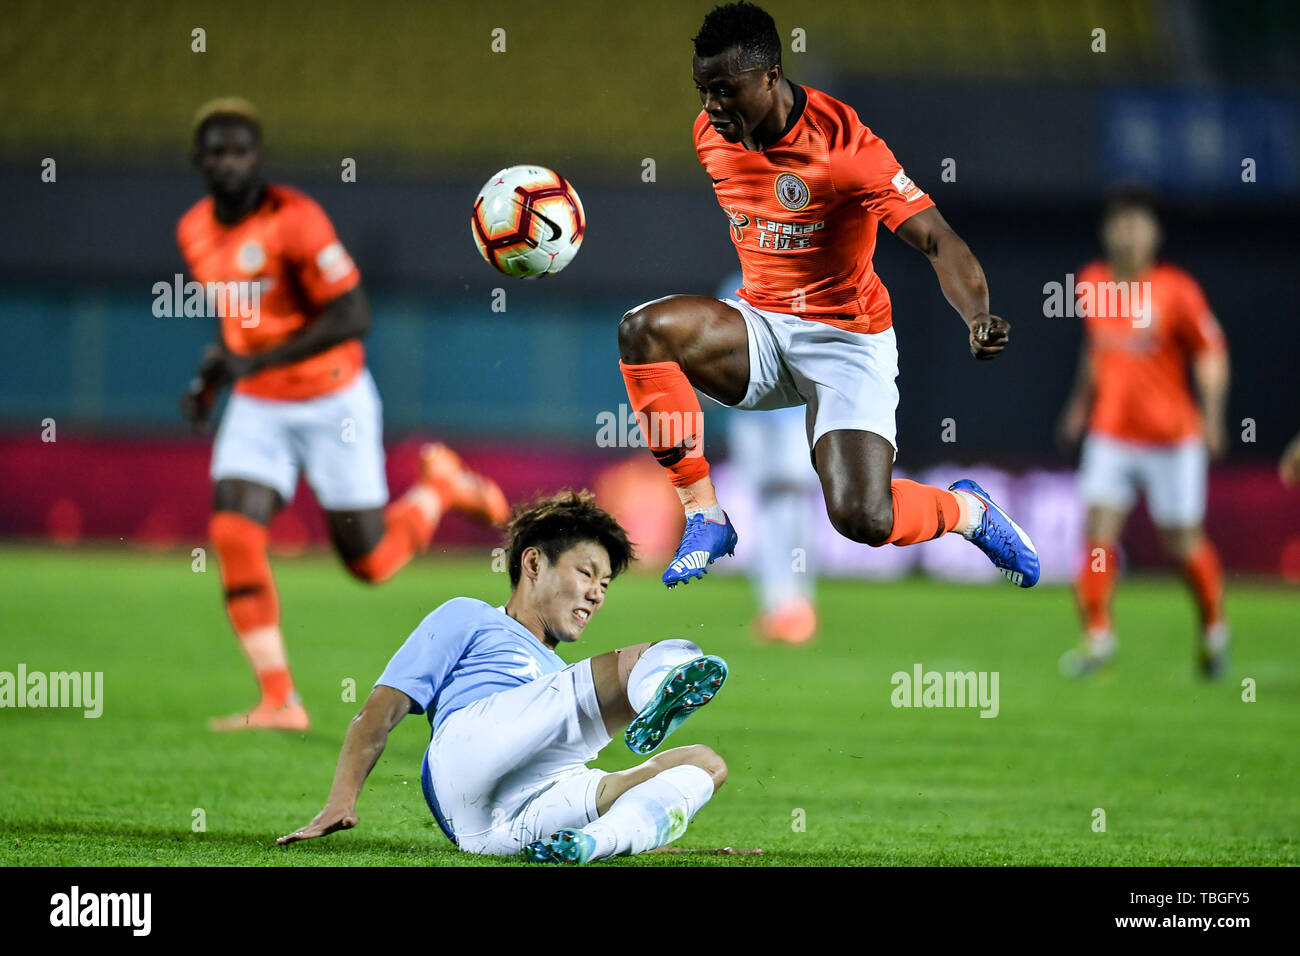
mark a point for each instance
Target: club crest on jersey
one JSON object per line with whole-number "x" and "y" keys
{"x": 251, "y": 257}
{"x": 792, "y": 191}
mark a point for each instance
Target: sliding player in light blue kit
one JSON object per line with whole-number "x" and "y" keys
{"x": 514, "y": 727}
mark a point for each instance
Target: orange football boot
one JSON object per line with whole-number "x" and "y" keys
{"x": 793, "y": 623}
{"x": 461, "y": 489}
{"x": 292, "y": 716}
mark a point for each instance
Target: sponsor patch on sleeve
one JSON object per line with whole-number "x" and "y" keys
{"x": 334, "y": 262}
{"x": 908, "y": 189}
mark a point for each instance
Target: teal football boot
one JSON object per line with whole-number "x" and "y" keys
{"x": 563, "y": 846}
{"x": 686, "y": 689}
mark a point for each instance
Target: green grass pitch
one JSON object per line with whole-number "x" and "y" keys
{"x": 1186, "y": 773}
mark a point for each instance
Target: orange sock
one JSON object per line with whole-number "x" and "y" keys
{"x": 1205, "y": 575}
{"x": 1095, "y": 586}
{"x": 408, "y": 531}
{"x": 277, "y": 686}
{"x": 921, "y": 512}
{"x": 670, "y": 418}
{"x": 251, "y": 600}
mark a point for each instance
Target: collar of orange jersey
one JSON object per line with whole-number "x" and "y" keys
{"x": 796, "y": 111}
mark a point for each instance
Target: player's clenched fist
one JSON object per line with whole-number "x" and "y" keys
{"x": 326, "y": 822}
{"x": 989, "y": 335}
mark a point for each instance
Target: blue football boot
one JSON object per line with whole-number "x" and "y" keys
{"x": 685, "y": 689}
{"x": 703, "y": 543}
{"x": 1004, "y": 541}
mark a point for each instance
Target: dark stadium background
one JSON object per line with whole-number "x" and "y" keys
{"x": 1037, "y": 123}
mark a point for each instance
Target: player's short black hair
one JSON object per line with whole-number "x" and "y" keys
{"x": 744, "y": 27}
{"x": 226, "y": 109}
{"x": 557, "y": 523}
{"x": 1126, "y": 196}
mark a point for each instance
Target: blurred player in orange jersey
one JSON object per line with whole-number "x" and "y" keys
{"x": 1145, "y": 321}
{"x": 303, "y": 400}
{"x": 1288, "y": 467}
{"x": 804, "y": 185}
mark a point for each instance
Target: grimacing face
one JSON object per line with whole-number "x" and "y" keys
{"x": 736, "y": 101}
{"x": 1130, "y": 236}
{"x": 568, "y": 593}
{"x": 229, "y": 157}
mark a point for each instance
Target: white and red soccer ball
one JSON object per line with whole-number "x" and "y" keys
{"x": 528, "y": 221}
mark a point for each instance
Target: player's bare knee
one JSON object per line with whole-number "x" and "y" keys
{"x": 1181, "y": 543}
{"x": 627, "y": 658}
{"x": 363, "y": 571}
{"x": 862, "y": 522}
{"x": 708, "y": 760}
{"x": 644, "y": 333}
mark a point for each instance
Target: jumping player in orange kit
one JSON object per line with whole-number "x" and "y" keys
{"x": 804, "y": 184}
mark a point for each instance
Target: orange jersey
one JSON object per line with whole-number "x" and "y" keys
{"x": 286, "y": 246}
{"x": 1140, "y": 340}
{"x": 803, "y": 212}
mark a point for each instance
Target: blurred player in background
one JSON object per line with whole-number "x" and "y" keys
{"x": 1288, "y": 468}
{"x": 804, "y": 185}
{"x": 1145, "y": 432}
{"x": 303, "y": 400}
{"x": 513, "y": 728}
{"x": 769, "y": 455}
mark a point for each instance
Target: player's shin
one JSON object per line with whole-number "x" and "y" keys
{"x": 1205, "y": 575}
{"x": 409, "y": 524}
{"x": 651, "y": 814}
{"x": 672, "y": 422}
{"x": 1095, "y": 587}
{"x": 252, "y": 602}
{"x": 923, "y": 512}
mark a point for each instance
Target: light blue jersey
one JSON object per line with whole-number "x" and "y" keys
{"x": 463, "y": 651}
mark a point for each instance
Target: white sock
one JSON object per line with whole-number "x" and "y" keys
{"x": 653, "y": 813}
{"x": 653, "y": 666}
{"x": 712, "y": 513}
{"x": 974, "y": 512}
{"x": 785, "y": 518}
{"x": 1101, "y": 642}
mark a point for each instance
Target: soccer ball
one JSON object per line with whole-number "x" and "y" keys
{"x": 528, "y": 221}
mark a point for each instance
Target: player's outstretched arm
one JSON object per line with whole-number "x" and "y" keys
{"x": 961, "y": 277}
{"x": 367, "y": 736}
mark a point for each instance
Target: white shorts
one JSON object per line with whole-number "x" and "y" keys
{"x": 845, "y": 378}
{"x": 512, "y": 767}
{"x": 1170, "y": 477}
{"x": 336, "y": 439}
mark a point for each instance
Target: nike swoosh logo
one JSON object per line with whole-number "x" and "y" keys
{"x": 556, "y": 231}
{"x": 722, "y": 180}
